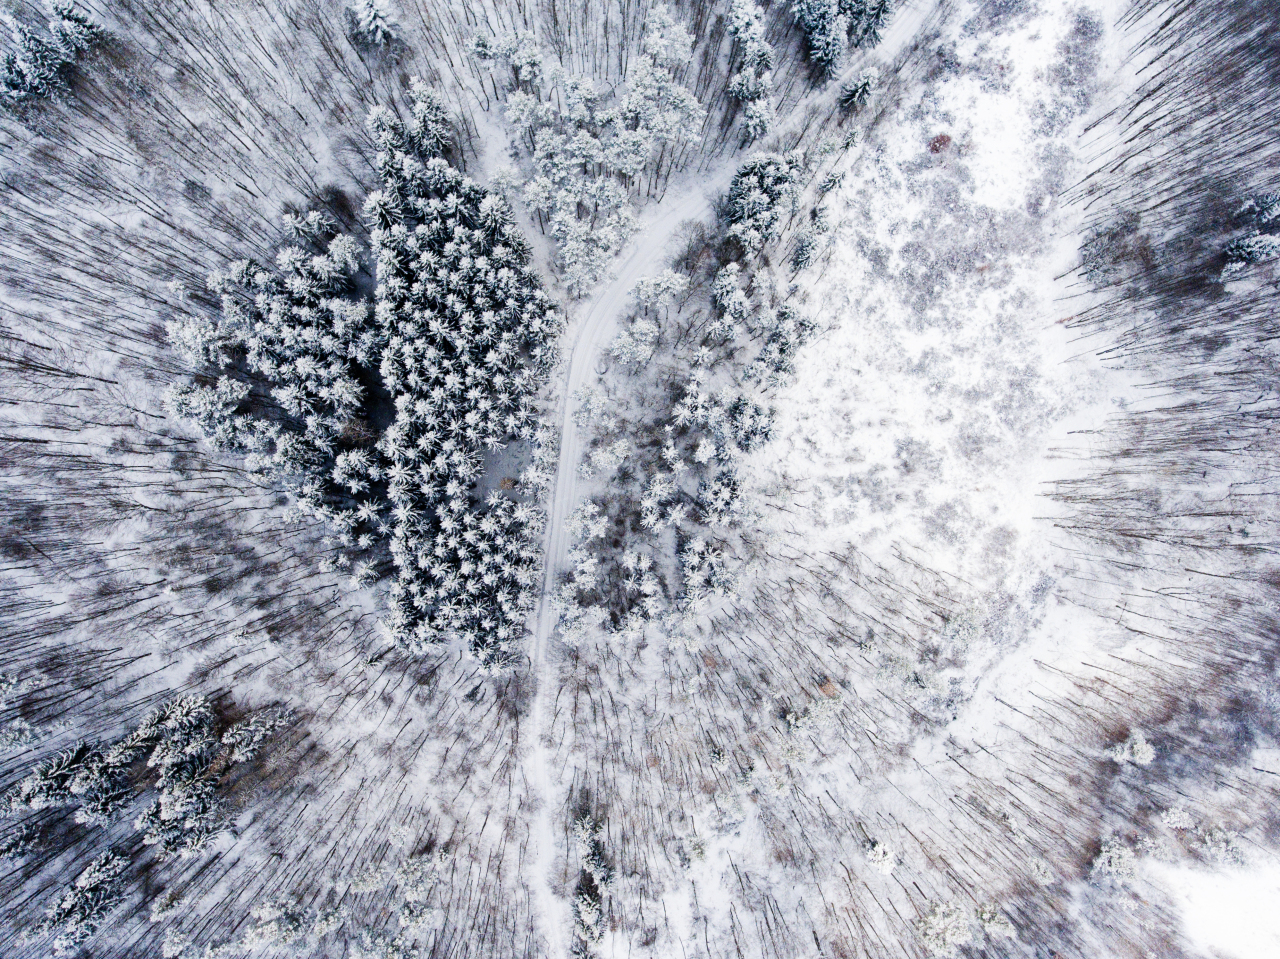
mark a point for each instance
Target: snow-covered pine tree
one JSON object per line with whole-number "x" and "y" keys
{"x": 762, "y": 189}
{"x": 78, "y": 912}
{"x": 825, "y": 29}
{"x": 867, "y": 20}
{"x": 856, "y": 92}
{"x": 371, "y": 23}
{"x": 469, "y": 337}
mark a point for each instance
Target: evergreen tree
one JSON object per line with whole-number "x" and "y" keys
{"x": 371, "y": 23}
{"x": 753, "y": 83}
{"x": 78, "y": 912}
{"x": 762, "y": 189}
{"x": 826, "y": 30}
{"x": 39, "y": 68}
{"x": 867, "y": 20}
{"x": 1253, "y": 248}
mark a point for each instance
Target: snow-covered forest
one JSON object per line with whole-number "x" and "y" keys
{"x": 751, "y": 478}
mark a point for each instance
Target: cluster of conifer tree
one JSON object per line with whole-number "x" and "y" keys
{"x": 458, "y": 336}
{"x": 589, "y": 149}
{"x": 190, "y": 750}
{"x": 38, "y": 66}
{"x": 657, "y": 552}
{"x": 829, "y": 27}
{"x": 753, "y": 83}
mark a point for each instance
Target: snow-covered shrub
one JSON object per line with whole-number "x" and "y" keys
{"x": 38, "y": 67}
{"x": 1222, "y": 845}
{"x": 993, "y": 922}
{"x": 944, "y": 929}
{"x": 604, "y": 459}
{"x": 881, "y": 857}
{"x": 418, "y": 875}
{"x": 275, "y": 923}
{"x": 1116, "y": 862}
{"x": 77, "y": 913}
{"x": 753, "y": 83}
{"x": 1134, "y": 750}
{"x": 762, "y": 190}
{"x": 1177, "y": 818}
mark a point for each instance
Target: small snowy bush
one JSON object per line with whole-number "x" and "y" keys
{"x": 944, "y": 929}
{"x": 881, "y": 857}
{"x": 993, "y": 922}
{"x": 1134, "y": 750}
{"x": 1116, "y": 862}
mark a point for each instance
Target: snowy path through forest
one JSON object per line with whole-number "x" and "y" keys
{"x": 596, "y": 327}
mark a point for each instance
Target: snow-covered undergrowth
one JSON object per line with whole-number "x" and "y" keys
{"x": 994, "y": 679}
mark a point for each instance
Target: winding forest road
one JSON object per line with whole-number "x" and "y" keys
{"x": 597, "y": 325}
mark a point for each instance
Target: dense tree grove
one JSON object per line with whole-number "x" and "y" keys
{"x": 656, "y": 546}
{"x": 459, "y": 335}
{"x": 762, "y": 191}
{"x": 589, "y": 149}
{"x": 753, "y": 83}
{"x": 469, "y": 336}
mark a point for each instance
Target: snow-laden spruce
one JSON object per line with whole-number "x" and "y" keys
{"x": 829, "y": 26}
{"x": 39, "y": 67}
{"x": 459, "y": 335}
{"x": 469, "y": 336}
